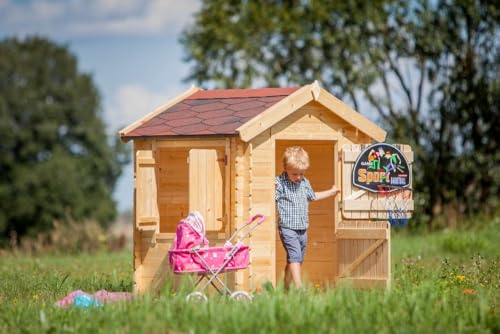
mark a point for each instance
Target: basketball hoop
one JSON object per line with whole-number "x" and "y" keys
{"x": 396, "y": 203}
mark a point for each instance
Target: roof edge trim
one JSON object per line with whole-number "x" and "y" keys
{"x": 299, "y": 98}
{"x": 277, "y": 112}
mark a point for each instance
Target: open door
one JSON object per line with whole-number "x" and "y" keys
{"x": 206, "y": 186}
{"x": 320, "y": 263}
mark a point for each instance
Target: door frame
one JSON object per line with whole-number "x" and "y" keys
{"x": 334, "y": 145}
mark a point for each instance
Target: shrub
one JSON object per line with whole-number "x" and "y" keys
{"x": 70, "y": 237}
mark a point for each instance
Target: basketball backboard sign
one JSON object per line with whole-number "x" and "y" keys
{"x": 381, "y": 166}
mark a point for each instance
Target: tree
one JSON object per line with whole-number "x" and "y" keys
{"x": 56, "y": 161}
{"x": 427, "y": 69}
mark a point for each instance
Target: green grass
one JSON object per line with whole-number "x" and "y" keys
{"x": 442, "y": 283}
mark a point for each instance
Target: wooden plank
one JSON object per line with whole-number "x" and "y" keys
{"x": 143, "y": 228}
{"x": 307, "y": 124}
{"x": 200, "y": 142}
{"x": 355, "y": 195}
{"x": 351, "y": 116}
{"x": 376, "y": 205}
{"x": 165, "y": 236}
{"x": 146, "y": 219}
{"x": 354, "y": 264}
{"x": 146, "y": 161}
{"x": 365, "y": 233}
{"x": 320, "y": 251}
{"x": 320, "y": 233}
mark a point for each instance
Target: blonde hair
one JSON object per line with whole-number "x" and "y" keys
{"x": 296, "y": 157}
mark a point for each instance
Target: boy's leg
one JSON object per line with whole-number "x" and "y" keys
{"x": 294, "y": 244}
{"x": 288, "y": 277}
{"x": 295, "y": 273}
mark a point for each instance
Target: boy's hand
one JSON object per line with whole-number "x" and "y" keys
{"x": 334, "y": 190}
{"x": 327, "y": 193}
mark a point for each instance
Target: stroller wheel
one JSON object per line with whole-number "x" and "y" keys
{"x": 196, "y": 297}
{"x": 240, "y": 296}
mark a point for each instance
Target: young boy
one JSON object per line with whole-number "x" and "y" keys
{"x": 293, "y": 193}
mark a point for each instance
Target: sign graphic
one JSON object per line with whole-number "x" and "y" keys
{"x": 381, "y": 166}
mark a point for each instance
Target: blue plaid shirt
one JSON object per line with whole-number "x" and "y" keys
{"x": 292, "y": 201}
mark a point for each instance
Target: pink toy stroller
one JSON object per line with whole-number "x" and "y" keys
{"x": 190, "y": 253}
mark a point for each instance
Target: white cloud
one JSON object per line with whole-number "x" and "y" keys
{"x": 103, "y": 8}
{"x": 132, "y": 102}
{"x": 46, "y": 10}
{"x": 95, "y": 17}
{"x": 155, "y": 17}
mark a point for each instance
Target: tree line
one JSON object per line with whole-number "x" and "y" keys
{"x": 428, "y": 70}
{"x": 56, "y": 160}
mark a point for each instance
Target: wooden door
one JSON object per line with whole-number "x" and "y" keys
{"x": 320, "y": 263}
{"x": 206, "y": 186}
{"x": 364, "y": 253}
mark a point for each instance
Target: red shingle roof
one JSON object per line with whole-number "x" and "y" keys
{"x": 211, "y": 112}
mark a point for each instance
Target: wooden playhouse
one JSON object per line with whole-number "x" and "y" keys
{"x": 218, "y": 152}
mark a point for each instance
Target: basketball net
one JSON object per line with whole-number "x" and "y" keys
{"x": 396, "y": 203}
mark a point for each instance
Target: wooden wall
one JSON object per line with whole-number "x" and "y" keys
{"x": 261, "y": 193}
{"x": 240, "y": 200}
{"x": 161, "y": 190}
{"x": 150, "y": 257}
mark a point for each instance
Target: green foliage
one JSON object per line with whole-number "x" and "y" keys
{"x": 429, "y": 69}
{"x": 432, "y": 291}
{"x": 456, "y": 243}
{"x": 56, "y": 161}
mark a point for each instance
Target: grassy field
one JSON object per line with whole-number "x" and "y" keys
{"x": 447, "y": 282}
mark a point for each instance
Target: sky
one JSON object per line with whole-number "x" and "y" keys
{"x": 130, "y": 47}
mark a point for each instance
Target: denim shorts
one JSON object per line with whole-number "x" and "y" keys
{"x": 295, "y": 242}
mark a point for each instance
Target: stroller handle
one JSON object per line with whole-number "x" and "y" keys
{"x": 257, "y": 218}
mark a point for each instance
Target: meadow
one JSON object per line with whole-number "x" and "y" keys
{"x": 445, "y": 282}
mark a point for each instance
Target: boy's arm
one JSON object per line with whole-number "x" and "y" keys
{"x": 333, "y": 191}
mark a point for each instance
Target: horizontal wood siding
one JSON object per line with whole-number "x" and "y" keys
{"x": 261, "y": 162}
{"x": 240, "y": 200}
{"x": 160, "y": 201}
